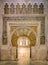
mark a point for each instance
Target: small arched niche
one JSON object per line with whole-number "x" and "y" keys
{"x": 23, "y": 41}
{"x": 6, "y": 8}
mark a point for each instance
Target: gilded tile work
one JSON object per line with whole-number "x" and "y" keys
{"x": 23, "y": 32}
{"x": 12, "y": 28}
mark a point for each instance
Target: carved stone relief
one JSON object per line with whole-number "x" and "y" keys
{"x": 42, "y": 19}
{"x": 25, "y": 9}
{"x": 35, "y": 8}
{"x": 6, "y": 8}
{"x": 41, "y": 8}
{"x": 42, "y": 40}
{"x": 4, "y": 32}
{"x": 29, "y": 8}
{"x": 12, "y": 9}
{"x": 17, "y": 8}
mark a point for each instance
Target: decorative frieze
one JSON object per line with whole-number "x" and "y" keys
{"x": 24, "y": 9}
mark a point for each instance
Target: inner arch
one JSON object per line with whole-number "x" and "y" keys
{"x": 23, "y": 42}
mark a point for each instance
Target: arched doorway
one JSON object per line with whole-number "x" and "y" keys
{"x": 23, "y": 42}
{"x": 23, "y": 48}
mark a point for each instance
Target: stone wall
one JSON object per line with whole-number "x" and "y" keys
{"x": 37, "y": 53}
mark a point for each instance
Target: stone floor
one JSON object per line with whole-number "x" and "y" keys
{"x": 24, "y": 63}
